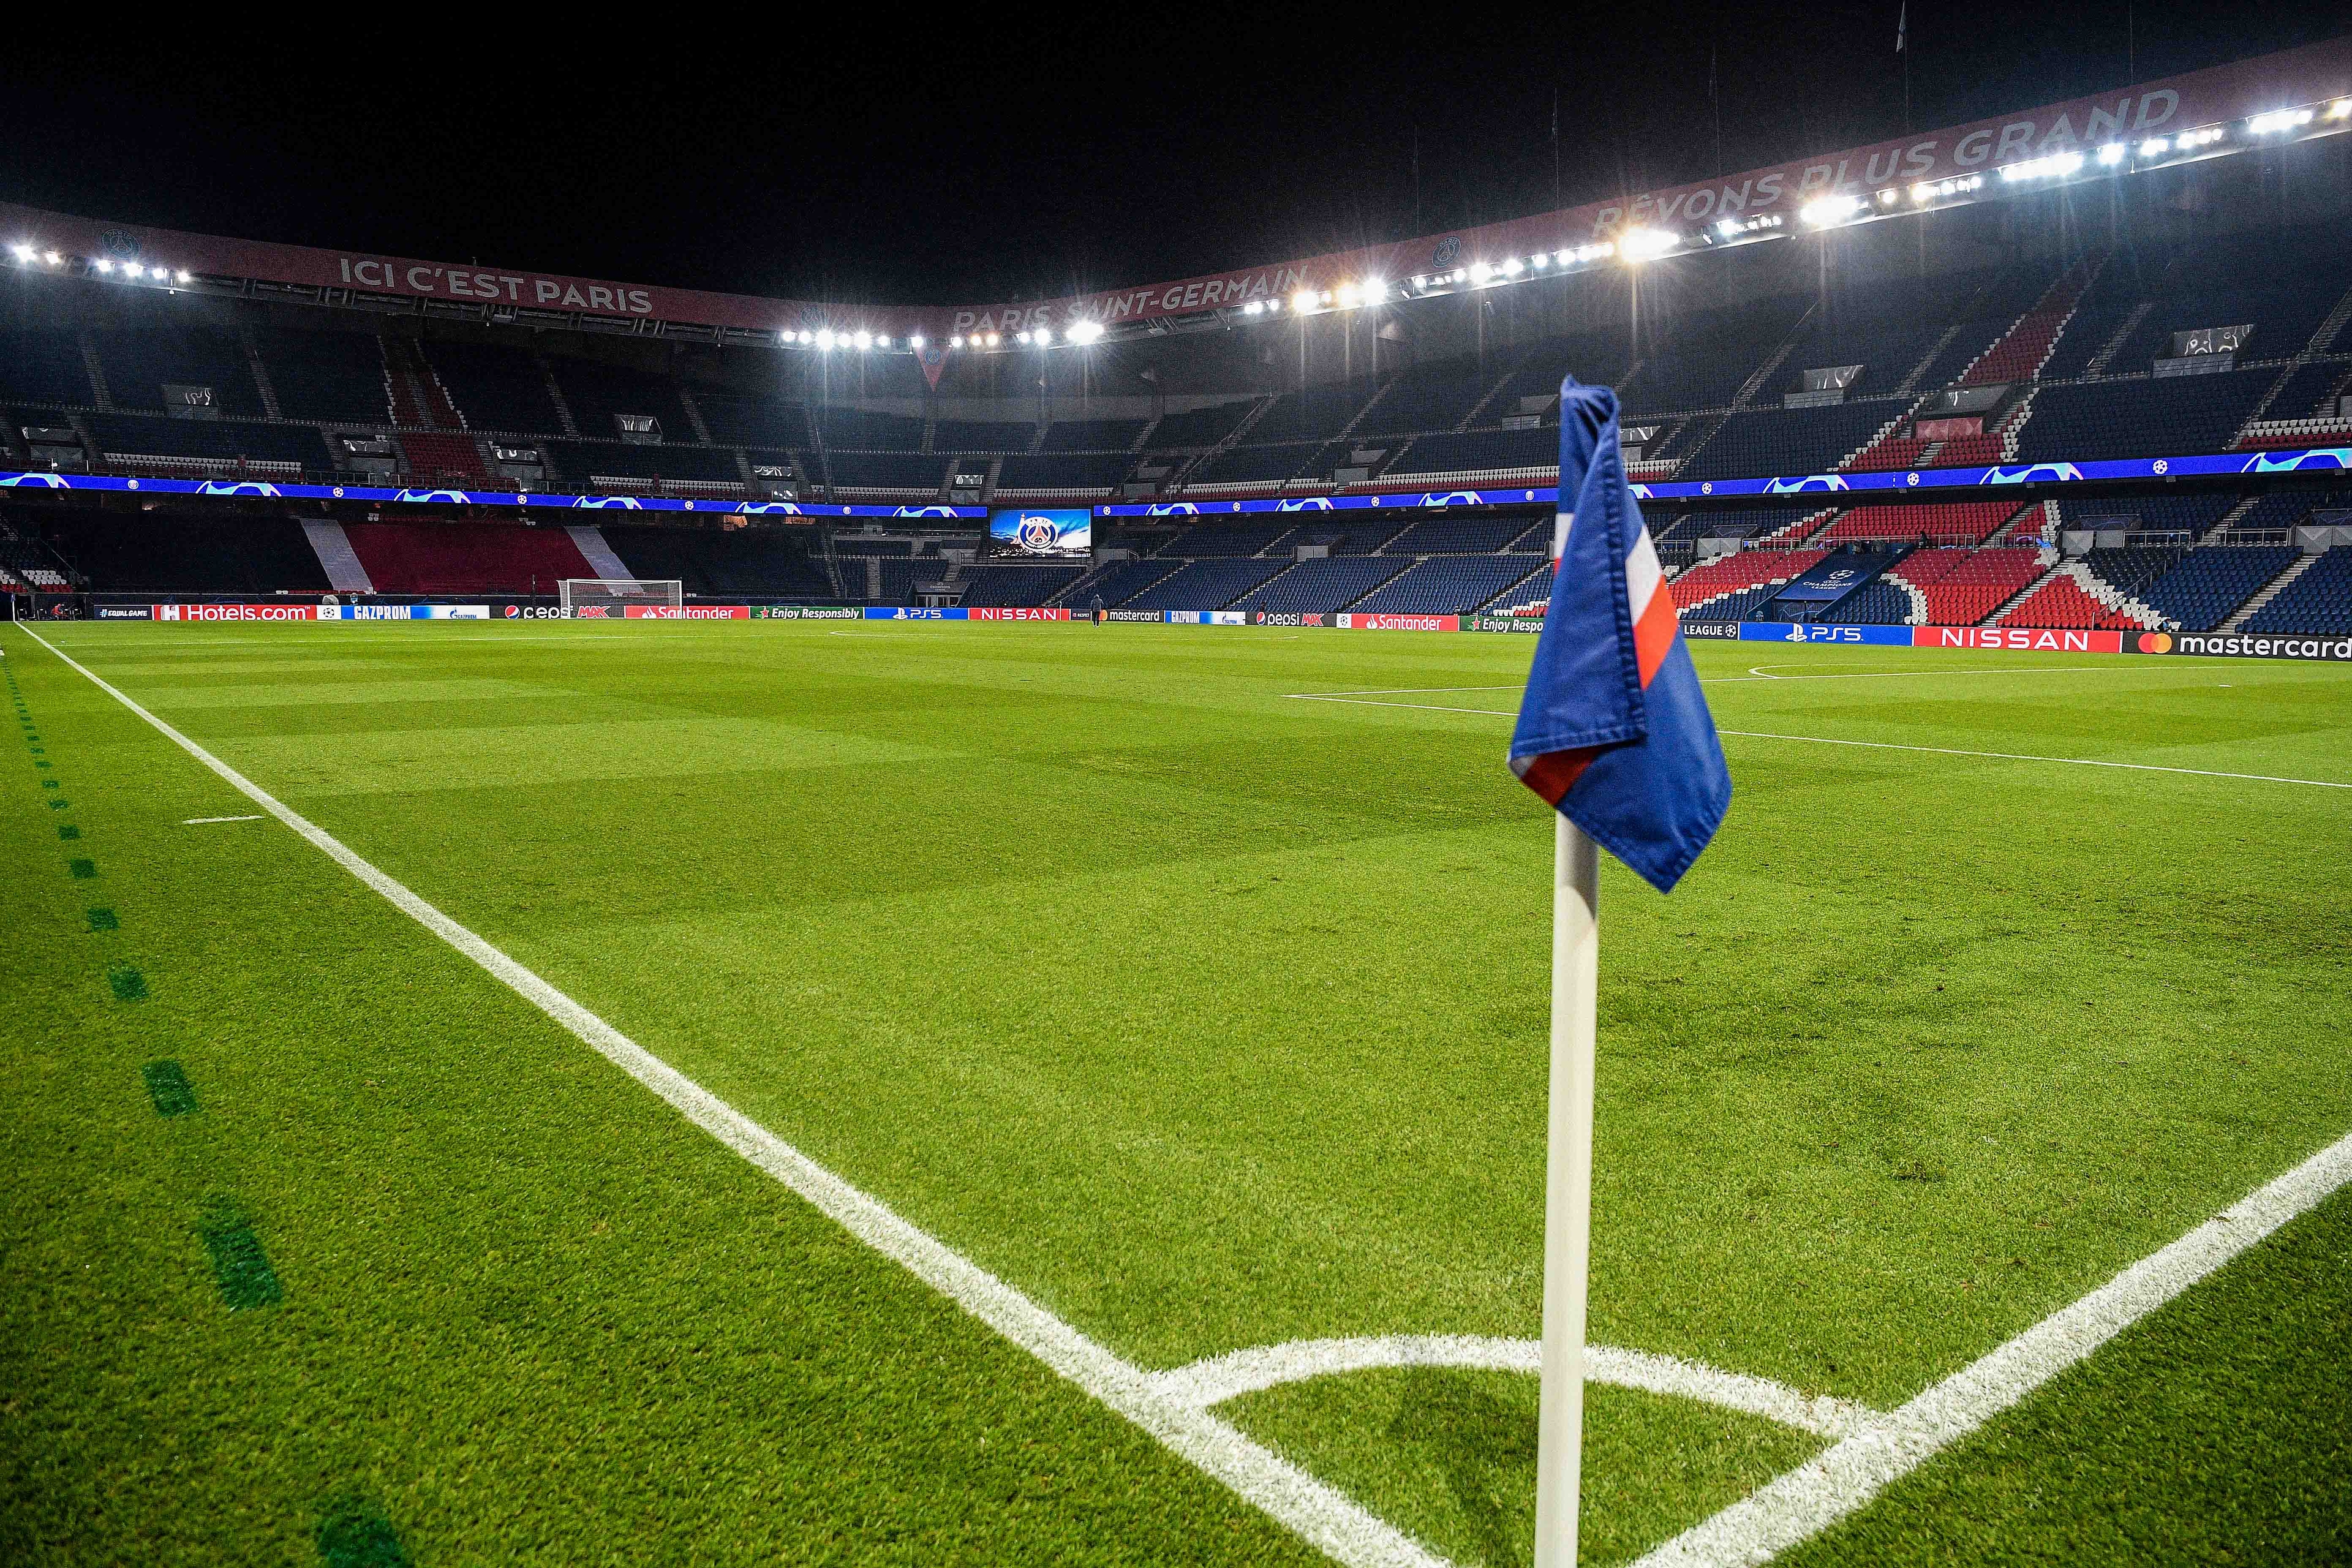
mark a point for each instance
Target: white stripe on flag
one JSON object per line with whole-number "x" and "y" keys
{"x": 1641, "y": 573}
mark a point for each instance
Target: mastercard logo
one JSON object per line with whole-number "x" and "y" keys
{"x": 2156, "y": 642}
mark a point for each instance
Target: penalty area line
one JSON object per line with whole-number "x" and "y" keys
{"x": 1320, "y": 1515}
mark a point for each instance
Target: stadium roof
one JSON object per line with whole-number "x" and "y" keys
{"x": 2271, "y": 100}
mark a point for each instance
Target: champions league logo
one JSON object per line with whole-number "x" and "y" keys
{"x": 2287, "y": 462}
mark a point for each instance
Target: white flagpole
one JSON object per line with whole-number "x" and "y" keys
{"x": 1567, "y": 1190}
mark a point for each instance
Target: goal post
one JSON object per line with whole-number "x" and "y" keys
{"x": 614, "y": 596}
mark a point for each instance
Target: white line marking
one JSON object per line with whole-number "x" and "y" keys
{"x": 1322, "y": 1515}
{"x": 199, "y": 821}
{"x": 1845, "y": 1477}
{"x": 1220, "y": 1378}
{"x": 1755, "y": 672}
{"x": 2021, "y": 757}
{"x": 1876, "y": 745}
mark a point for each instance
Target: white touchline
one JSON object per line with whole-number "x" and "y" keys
{"x": 1236, "y": 1373}
{"x": 199, "y": 821}
{"x": 1873, "y": 745}
{"x": 1844, "y": 1477}
{"x": 1322, "y": 1516}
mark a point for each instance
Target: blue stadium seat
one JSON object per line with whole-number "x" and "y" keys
{"x": 2318, "y": 601}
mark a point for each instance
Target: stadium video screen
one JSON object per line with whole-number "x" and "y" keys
{"x": 1032, "y": 532}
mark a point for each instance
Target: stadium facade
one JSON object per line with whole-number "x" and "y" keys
{"x": 2084, "y": 367}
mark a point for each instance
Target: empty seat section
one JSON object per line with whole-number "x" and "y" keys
{"x": 600, "y": 396}
{"x": 913, "y": 473}
{"x": 1458, "y": 535}
{"x": 2152, "y": 418}
{"x": 495, "y": 386}
{"x": 2062, "y": 605}
{"x": 220, "y": 442}
{"x": 583, "y": 462}
{"x": 465, "y": 557}
{"x": 731, "y": 564}
{"x": 1243, "y": 466}
{"x": 857, "y": 429}
{"x": 1225, "y": 539}
{"x": 1332, "y": 583}
{"x": 1481, "y": 451}
{"x": 1201, "y": 426}
{"x": 1065, "y": 473}
{"x": 204, "y": 549}
{"x": 1958, "y": 522}
{"x": 44, "y": 367}
{"x": 753, "y": 422}
{"x": 1734, "y": 574}
{"x": 1016, "y": 584}
{"x": 1775, "y": 441}
{"x": 1205, "y": 584}
{"x": 1318, "y": 413}
{"x": 1448, "y": 585}
{"x": 1120, "y": 580}
{"x": 1877, "y": 604}
{"x": 2318, "y": 601}
{"x": 2207, "y": 584}
{"x": 432, "y": 457}
{"x": 326, "y": 375}
{"x": 1092, "y": 435}
{"x": 1961, "y": 587}
{"x": 1429, "y": 398}
{"x": 984, "y": 435}
{"x": 141, "y": 362}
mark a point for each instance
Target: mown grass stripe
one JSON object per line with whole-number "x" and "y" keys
{"x": 353, "y": 1534}
{"x": 168, "y": 1087}
{"x": 241, "y": 1268}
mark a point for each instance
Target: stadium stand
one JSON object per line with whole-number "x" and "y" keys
{"x": 1063, "y": 473}
{"x": 192, "y": 552}
{"x": 433, "y": 457}
{"x": 1241, "y": 467}
{"x": 208, "y": 445}
{"x": 1225, "y": 539}
{"x": 1332, "y": 583}
{"x": 712, "y": 564}
{"x": 1448, "y": 585}
{"x": 754, "y": 422}
{"x": 2318, "y": 601}
{"x": 326, "y": 375}
{"x": 888, "y": 473}
{"x": 1205, "y": 584}
{"x": 1958, "y": 522}
{"x": 862, "y": 430}
{"x": 602, "y": 395}
{"x": 2201, "y": 589}
{"x": 1434, "y": 396}
{"x": 1120, "y": 580}
{"x": 1479, "y": 452}
{"x": 45, "y": 366}
{"x": 1462, "y": 535}
{"x": 1749, "y": 569}
{"x": 1790, "y": 440}
{"x": 464, "y": 558}
{"x": 2135, "y": 418}
{"x": 1021, "y": 583}
{"x": 1880, "y": 604}
{"x": 597, "y": 463}
{"x": 494, "y": 387}
{"x": 1200, "y": 426}
{"x": 1961, "y": 587}
{"x": 984, "y": 435}
{"x": 140, "y": 363}
{"x": 1091, "y": 435}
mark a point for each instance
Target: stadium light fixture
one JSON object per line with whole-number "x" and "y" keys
{"x": 1045, "y": 336}
{"x": 2155, "y": 147}
{"x": 1347, "y": 296}
{"x": 2057, "y": 165}
{"x": 825, "y": 338}
{"x": 1375, "y": 290}
{"x": 2189, "y": 140}
{"x": 1460, "y": 274}
{"x": 2278, "y": 120}
{"x": 1021, "y": 337}
{"x": 1640, "y": 244}
{"x": 881, "y": 339}
{"x": 102, "y": 265}
{"x": 1303, "y": 301}
{"x": 864, "y": 340}
{"x": 1513, "y": 267}
{"x": 53, "y": 258}
{"x": 956, "y": 341}
{"x": 1828, "y": 210}
{"x": 184, "y": 275}
{"x": 1540, "y": 260}
{"x": 1085, "y": 332}
{"x": 994, "y": 339}
{"x": 915, "y": 341}
{"x": 2112, "y": 153}
{"x": 24, "y": 253}
{"x": 2341, "y": 109}
{"x": 1254, "y": 308}
{"x": 1480, "y": 272}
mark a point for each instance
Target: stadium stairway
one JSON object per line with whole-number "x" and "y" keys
{"x": 2268, "y": 592}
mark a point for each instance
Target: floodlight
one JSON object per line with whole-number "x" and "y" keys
{"x": 956, "y": 341}
{"x": 1045, "y": 336}
{"x": 103, "y": 265}
{"x": 1644, "y": 243}
{"x": 864, "y": 340}
{"x": 1513, "y": 267}
{"x": 1828, "y": 210}
{"x": 2112, "y": 153}
{"x": 915, "y": 342}
{"x": 53, "y": 258}
{"x": 1022, "y": 337}
{"x": 2278, "y": 120}
{"x": 1459, "y": 275}
{"x": 24, "y": 252}
{"x": 1540, "y": 261}
{"x": 1086, "y": 332}
{"x": 1563, "y": 256}
{"x": 1376, "y": 290}
{"x": 1885, "y": 197}
{"x": 1479, "y": 271}
{"x": 184, "y": 275}
{"x": 882, "y": 340}
{"x": 994, "y": 339}
{"x": 2154, "y": 146}
{"x": 1303, "y": 301}
{"x": 824, "y": 339}
{"x": 1347, "y": 296}
{"x": 1253, "y": 309}
{"x": 2341, "y": 109}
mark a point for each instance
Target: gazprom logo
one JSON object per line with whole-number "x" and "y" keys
{"x": 2033, "y": 474}
{"x": 1803, "y": 482}
{"x": 2287, "y": 462}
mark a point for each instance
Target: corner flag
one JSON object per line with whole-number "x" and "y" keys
{"x": 1614, "y": 734}
{"x": 1613, "y": 731}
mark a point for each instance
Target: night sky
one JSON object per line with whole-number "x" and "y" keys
{"x": 918, "y": 163}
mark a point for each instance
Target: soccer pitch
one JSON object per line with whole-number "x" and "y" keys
{"x": 1185, "y": 987}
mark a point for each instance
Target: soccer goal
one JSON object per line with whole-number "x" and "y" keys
{"x": 612, "y": 596}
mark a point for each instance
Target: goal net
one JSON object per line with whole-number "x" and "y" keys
{"x": 613, "y": 596}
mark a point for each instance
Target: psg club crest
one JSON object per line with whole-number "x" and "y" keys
{"x": 1038, "y": 534}
{"x": 1448, "y": 252}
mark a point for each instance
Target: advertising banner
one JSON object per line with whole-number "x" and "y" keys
{"x": 1288, "y": 618}
{"x": 896, "y": 613}
{"x": 687, "y": 613}
{"x": 1208, "y": 617}
{"x": 1020, "y": 613}
{"x": 125, "y": 611}
{"x": 1042, "y": 532}
{"x": 806, "y": 613}
{"x": 2239, "y": 645}
{"x": 1508, "y": 624}
{"x": 403, "y": 612}
{"x": 1154, "y": 616}
{"x": 1364, "y": 622}
{"x": 239, "y": 612}
{"x": 2035, "y": 639}
{"x": 1728, "y": 630}
{"x": 1775, "y": 631}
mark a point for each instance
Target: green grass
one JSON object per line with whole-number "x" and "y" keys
{"x": 1208, "y": 1017}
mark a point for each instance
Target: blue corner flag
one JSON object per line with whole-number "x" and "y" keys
{"x": 1613, "y": 731}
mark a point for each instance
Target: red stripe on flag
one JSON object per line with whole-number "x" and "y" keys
{"x": 1654, "y": 634}
{"x": 1554, "y": 773}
